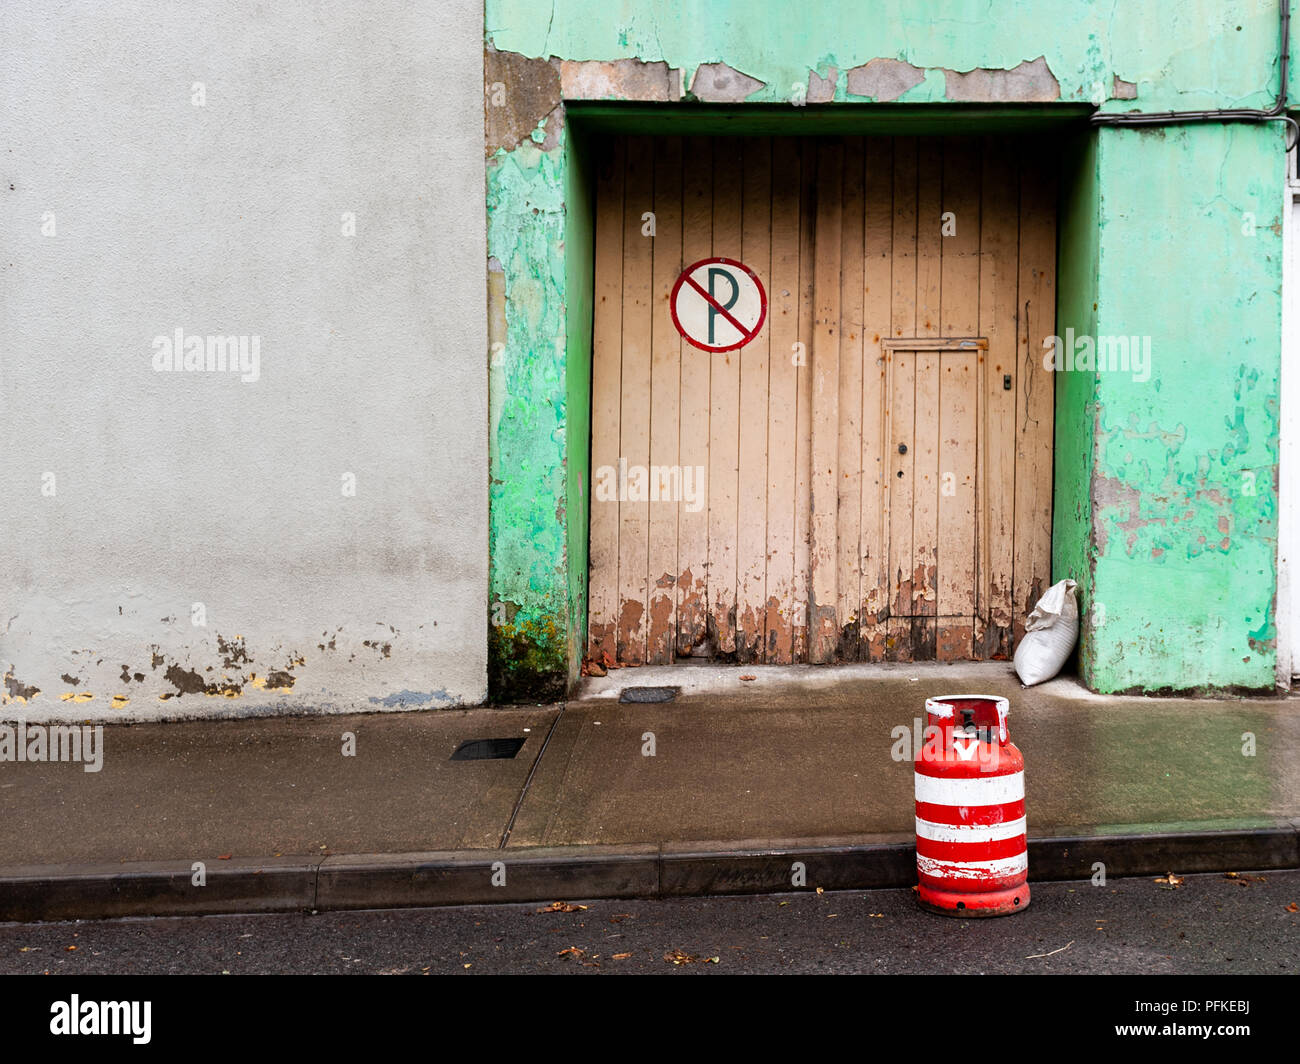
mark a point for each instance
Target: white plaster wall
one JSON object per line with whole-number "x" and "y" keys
{"x": 177, "y": 488}
{"x": 1288, "y": 530}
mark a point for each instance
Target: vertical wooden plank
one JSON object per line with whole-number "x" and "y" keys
{"x": 960, "y": 241}
{"x": 929, "y": 201}
{"x": 751, "y": 518}
{"x": 961, "y": 435}
{"x": 823, "y": 629}
{"x": 848, "y": 585}
{"x": 692, "y": 523}
{"x": 782, "y": 417}
{"x": 876, "y": 296}
{"x": 902, "y": 400}
{"x": 925, "y": 505}
{"x": 958, "y": 406}
{"x": 634, "y": 510}
{"x": 903, "y": 308}
{"x": 804, "y": 409}
{"x": 1035, "y": 394}
{"x": 999, "y": 248}
{"x": 606, "y": 384}
{"x": 900, "y": 417}
{"x": 666, "y": 476}
{"x": 724, "y": 414}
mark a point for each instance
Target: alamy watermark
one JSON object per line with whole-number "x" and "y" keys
{"x": 930, "y": 742}
{"x": 53, "y": 742}
{"x": 1103, "y": 354}
{"x": 210, "y": 354}
{"x": 77, "y": 1017}
{"x": 624, "y": 483}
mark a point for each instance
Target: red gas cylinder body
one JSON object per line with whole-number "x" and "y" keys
{"x": 971, "y": 854}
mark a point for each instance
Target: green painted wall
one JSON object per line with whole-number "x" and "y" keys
{"x": 1183, "y": 491}
{"x": 529, "y": 495}
{"x": 579, "y": 255}
{"x": 1181, "y": 55}
{"x": 1176, "y": 557}
{"x": 1078, "y": 243}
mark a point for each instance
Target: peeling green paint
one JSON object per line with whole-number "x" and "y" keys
{"x": 1186, "y": 56}
{"x": 540, "y": 241}
{"x": 528, "y": 575}
{"x": 1184, "y": 523}
{"x": 1175, "y": 556}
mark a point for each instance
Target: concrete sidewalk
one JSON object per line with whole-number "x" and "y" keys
{"x": 745, "y": 773}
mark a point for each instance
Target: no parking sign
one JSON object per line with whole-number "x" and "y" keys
{"x": 718, "y": 304}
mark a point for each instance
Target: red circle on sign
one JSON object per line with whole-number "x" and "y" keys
{"x": 746, "y": 334}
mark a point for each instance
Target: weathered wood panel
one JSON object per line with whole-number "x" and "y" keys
{"x": 606, "y": 403}
{"x": 724, "y": 414}
{"x": 694, "y": 404}
{"x": 751, "y": 503}
{"x": 878, "y": 460}
{"x": 634, "y": 416}
{"x": 848, "y": 588}
{"x": 665, "y": 389}
{"x": 785, "y": 361}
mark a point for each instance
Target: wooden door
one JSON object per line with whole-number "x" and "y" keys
{"x": 748, "y": 505}
{"x": 932, "y": 497}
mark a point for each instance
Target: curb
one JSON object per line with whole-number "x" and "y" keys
{"x": 543, "y": 874}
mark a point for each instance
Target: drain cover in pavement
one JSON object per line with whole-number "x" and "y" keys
{"x": 648, "y": 694}
{"x": 487, "y": 749}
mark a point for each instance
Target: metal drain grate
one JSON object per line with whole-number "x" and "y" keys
{"x": 648, "y": 694}
{"x": 487, "y": 749}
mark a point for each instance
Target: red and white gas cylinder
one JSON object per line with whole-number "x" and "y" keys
{"x": 971, "y": 853}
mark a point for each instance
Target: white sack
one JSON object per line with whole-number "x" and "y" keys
{"x": 1050, "y": 634}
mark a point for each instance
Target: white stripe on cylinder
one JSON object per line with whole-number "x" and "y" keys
{"x": 1003, "y": 866}
{"x": 971, "y": 790}
{"x": 927, "y": 829}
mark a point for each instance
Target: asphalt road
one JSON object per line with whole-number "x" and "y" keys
{"x": 1209, "y": 924}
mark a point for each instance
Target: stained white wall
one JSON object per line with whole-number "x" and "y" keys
{"x": 1288, "y": 531}
{"x": 131, "y": 495}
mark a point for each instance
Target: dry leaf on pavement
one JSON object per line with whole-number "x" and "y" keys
{"x": 1169, "y": 881}
{"x": 677, "y": 956}
{"x": 562, "y": 907}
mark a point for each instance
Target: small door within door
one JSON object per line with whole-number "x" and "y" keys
{"x": 932, "y": 505}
